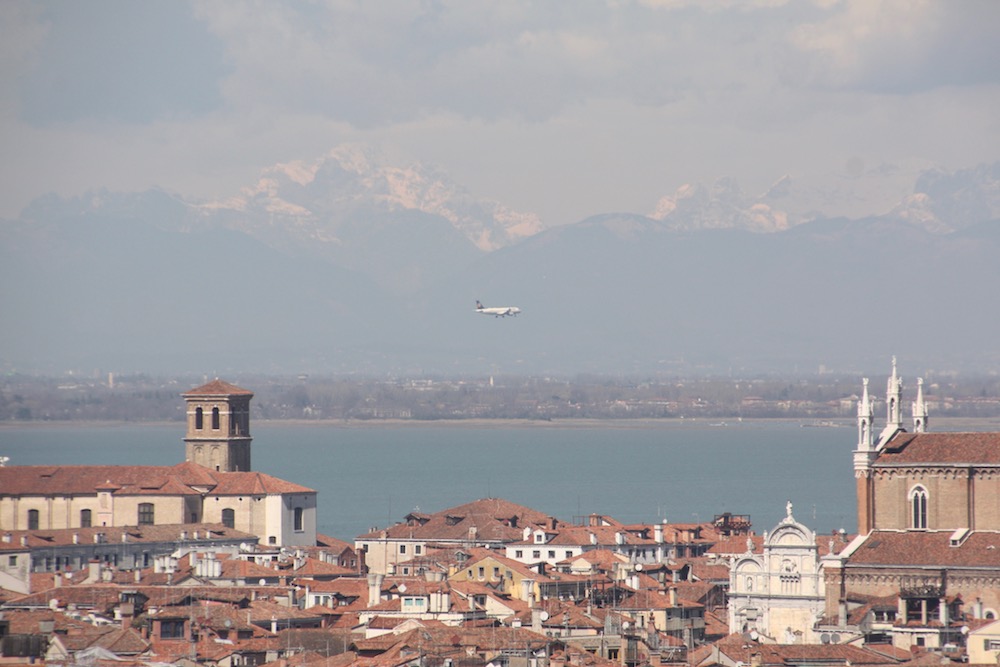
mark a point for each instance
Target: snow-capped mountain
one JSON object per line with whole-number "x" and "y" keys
{"x": 353, "y": 264}
{"x": 315, "y": 198}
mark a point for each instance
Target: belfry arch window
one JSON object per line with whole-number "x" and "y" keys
{"x": 918, "y": 508}
{"x": 199, "y": 419}
{"x": 215, "y": 419}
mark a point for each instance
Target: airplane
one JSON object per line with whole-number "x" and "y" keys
{"x": 497, "y": 312}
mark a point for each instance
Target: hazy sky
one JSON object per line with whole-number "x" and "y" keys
{"x": 560, "y": 108}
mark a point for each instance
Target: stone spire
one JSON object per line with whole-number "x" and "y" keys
{"x": 893, "y": 394}
{"x": 920, "y": 409}
{"x": 866, "y": 418}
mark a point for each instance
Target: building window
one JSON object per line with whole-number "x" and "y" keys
{"x": 299, "y": 521}
{"x": 199, "y": 419}
{"x": 146, "y": 516}
{"x": 11, "y": 561}
{"x": 229, "y": 518}
{"x": 417, "y": 549}
{"x": 536, "y": 554}
{"x": 32, "y": 519}
{"x": 569, "y": 554}
{"x": 215, "y": 419}
{"x": 171, "y": 629}
{"x": 84, "y": 518}
{"x": 918, "y": 507}
{"x": 552, "y": 553}
{"x": 518, "y": 554}
{"x": 402, "y": 548}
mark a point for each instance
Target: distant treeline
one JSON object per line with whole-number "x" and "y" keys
{"x": 144, "y": 398}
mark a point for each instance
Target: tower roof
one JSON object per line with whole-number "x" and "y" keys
{"x": 218, "y": 387}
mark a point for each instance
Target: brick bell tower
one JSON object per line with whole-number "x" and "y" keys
{"x": 218, "y": 427}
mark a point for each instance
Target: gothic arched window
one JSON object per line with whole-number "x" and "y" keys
{"x": 918, "y": 508}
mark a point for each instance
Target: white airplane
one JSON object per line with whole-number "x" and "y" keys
{"x": 497, "y": 312}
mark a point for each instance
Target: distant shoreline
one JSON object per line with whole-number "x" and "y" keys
{"x": 940, "y": 424}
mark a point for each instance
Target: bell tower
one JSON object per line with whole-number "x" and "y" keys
{"x": 218, "y": 427}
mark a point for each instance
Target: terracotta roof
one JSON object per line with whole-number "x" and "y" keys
{"x": 494, "y": 520}
{"x": 932, "y": 548}
{"x": 184, "y": 479}
{"x": 218, "y": 387}
{"x": 738, "y": 648}
{"x": 917, "y": 448}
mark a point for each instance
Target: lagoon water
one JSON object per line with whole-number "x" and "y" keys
{"x": 373, "y": 475}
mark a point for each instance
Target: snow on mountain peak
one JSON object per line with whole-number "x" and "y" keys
{"x": 353, "y": 177}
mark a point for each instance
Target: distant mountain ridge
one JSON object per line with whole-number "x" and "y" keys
{"x": 347, "y": 264}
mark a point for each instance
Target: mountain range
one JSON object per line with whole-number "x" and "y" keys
{"x": 349, "y": 264}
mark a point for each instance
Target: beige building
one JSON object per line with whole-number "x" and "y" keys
{"x": 215, "y": 484}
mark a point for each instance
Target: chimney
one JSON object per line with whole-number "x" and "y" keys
{"x": 24, "y": 540}
{"x": 57, "y": 580}
{"x": 7, "y": 537}
{"x": 127, "y": 611}
{"x": 658, "y": 533}
{"x": 76, "y": 538}
{"x": 374, "y": 589}
{"x": 673, "y": 596}
{"x": 536, "y": 620}
{"x": 528, "y": 591}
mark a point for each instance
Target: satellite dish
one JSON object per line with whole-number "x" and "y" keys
{"x": 544, "y": 615}
{"x": 753, "y": 635}
{"x": 402, "y": 588}
{"x": 965, "y": 629}
{"x": 625, "y": 625}
{"x": 638, "y": 567}
{"x": 228, "y": 623}
{"x": 262, "y": 582}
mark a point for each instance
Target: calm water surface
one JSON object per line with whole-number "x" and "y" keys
{"x": 374, "y": 475}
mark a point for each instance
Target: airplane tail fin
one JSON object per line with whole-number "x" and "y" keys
{"x": 479, "y": 306}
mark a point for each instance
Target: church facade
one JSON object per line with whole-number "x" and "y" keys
{"x": 214, "y": 485}
{"x": 926, "y": 562}
{"x": 778, "y": 592}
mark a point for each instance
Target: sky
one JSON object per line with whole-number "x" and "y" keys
{"x": 564, "y": 109}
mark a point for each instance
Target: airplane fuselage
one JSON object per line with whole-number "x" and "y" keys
{"x": 502, "y": 311}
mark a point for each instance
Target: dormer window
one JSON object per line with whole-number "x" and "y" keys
{"x": 539, "y": 538}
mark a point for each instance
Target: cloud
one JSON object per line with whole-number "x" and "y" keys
{"x": 899, "y": 46}
{"x": 118, "y": 60}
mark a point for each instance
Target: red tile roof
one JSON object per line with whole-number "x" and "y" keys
{"x": 183, "y": 479}
{"x": 932, "y": 548}
{"x": 494, "y": 520}
{"x": 963, "y": 448}
{"x": 218, "y": 387}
